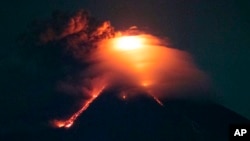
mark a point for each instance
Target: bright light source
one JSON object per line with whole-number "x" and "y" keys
{"x": 129, "y": 43}
{"x": 124, "y": 96}
{"x": 146, "y": 83}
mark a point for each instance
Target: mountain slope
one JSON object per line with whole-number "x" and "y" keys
{"x": 142, "y": 118}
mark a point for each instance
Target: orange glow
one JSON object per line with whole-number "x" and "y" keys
{"x": 146, "y": 62}
{"x": 129, "y": 43}
{"x": 136, "y": 57}
{"x": 143, "y": 62}
{"x": 69, "y": 122}
{"x": 146, "y": 83}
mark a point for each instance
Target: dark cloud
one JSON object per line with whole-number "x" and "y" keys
{"x": 62, "y": 64}
{"x": 48, "y": 56}
{"x": 78, "y": 31}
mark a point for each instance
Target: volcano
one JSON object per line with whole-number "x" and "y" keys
{"x": 141, "y": 118}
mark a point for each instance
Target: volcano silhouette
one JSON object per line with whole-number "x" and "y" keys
{"x": 142, "y": 119}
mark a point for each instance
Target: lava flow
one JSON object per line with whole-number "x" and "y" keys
{"x": 142, "y": 61}
{"x": 90, "y": 56}
{"x": 69, "y": 122}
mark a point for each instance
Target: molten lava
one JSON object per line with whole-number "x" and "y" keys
{"x": 69, "y": 122}
{"x": 142, "y": 61}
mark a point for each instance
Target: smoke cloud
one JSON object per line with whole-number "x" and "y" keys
{"x": 154, "y": 66}
{"x": 89, "y": 56}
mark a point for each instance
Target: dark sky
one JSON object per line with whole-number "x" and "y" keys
{"x": 215, "y": 33}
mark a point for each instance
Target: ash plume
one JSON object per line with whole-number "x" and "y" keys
{"x": 59, "y": 47}
{"x": 84, "y": 57}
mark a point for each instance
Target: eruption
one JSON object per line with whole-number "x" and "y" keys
{"x": 128, "y": 60}
{"x": 143, "y": 62}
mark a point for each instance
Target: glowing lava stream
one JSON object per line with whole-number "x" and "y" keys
{"x": 68, "y": 123}
{"x": 157, "y": 100}
{"x": 143, "y": 61}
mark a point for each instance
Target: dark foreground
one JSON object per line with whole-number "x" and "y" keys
{"x": 141, "y": 119}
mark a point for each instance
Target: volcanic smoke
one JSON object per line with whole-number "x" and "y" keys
{"x": 126, "y": 60}
{"x": 144, "y": 62}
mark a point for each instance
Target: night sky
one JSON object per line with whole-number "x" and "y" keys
{"x": 215, "y": 33}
